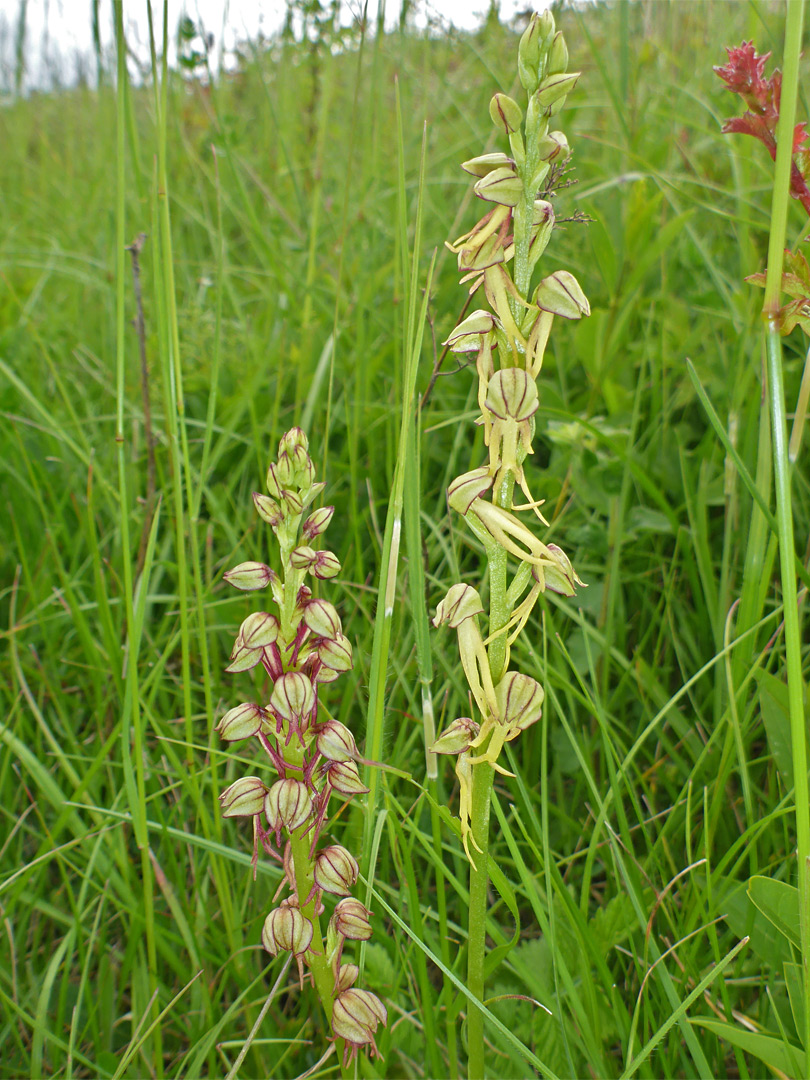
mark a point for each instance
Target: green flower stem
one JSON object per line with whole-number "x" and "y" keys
{"x": 301, "y": 840}
{"x": 300, "y": 844}
{"x": 483, "y": 775}
{"x": 482, "y": 778}
{"x": 782, "y": 477}
{"x": 525, "y": 210}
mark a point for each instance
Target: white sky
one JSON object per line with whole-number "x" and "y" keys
{"x": 61, "y": 29}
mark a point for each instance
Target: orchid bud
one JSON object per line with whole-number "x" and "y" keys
{"x": 284, "y": 471}
{"x": 355, "y": 1017}
{"x": 317, "y": 522}
{"x": 552, "y": 92}
{"x": 335, "y": 653}
{"x": 561, "y": 294}
{"x": 456, "y": 738}
{"x": 462, "y": 602}
{"x": 303, "y": 471}
{"x": 293, "y": 697}
{"x": 326, "y": 675}
{"x": 322, "y": 619}
{"x": 557, "y": 55}
{"x": 258, "y": 630}
{"x": 529, "y": 56}
{"x": 506, "y": 113}
{"x": 243, "y": 658}
{"x": 500, "y": 186}
{"x": 292, "y": 439}
{"x": 344, "y": 778}
{"x": 273, "y": 484}
{"x": 326, "y": 565}
{"x": 292, "y": 502}
{"x": 350, "y": 919}
{"x": 302, "y": 558}
{"x": 520, "y": 700}
{"x": 288, "y": 803}
{"x": 468, "y": 487}
{"x": 554, "y": 147}
{"x": 248, "y": 576}
{"x": 562, "y": 577}
{"x": 242, "y": 722}
{"x": 512, "y": 395}
{"x": 286, "y": 930}
{"x": 335, "y": 870}
{"x": 336, "y": 742}
{"x": 466, "y": 337}
{"x": 346, "y": 977}
{"x": 485, "y": 163}
{"x": 268, "y": 509}
{"x": 244, "y": 798}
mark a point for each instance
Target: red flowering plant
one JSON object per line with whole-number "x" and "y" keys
{"x": 744, "y": 74}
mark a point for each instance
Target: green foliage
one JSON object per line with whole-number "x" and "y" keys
{"x": 662, "y": 742}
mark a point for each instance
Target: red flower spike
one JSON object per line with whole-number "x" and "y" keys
{"x": 743, "y": 74}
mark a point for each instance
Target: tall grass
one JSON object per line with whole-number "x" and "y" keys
{"x": 280, "y": 277}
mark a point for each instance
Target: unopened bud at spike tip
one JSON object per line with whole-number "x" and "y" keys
{"x": 557, "y": 56}
{"x": 290, "y": 440}
{"x": 506, "y": 114}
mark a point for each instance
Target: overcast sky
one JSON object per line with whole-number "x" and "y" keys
{"x": 61, "y": 29}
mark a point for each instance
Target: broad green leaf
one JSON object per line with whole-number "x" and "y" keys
{"x": 774, "y": 1052}
{"x": 778, "y": 902}
{"x": 734, "y": 904}
{"x": 773, "y": 703}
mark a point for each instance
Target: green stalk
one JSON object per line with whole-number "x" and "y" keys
{"x": 300, "y": 843}
{"x": 301, "y": 839}
{"x": 483, "y": 775}
{"x": 782, "y": 477}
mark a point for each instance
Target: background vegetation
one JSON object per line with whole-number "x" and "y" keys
{"x": 660, "y": 778}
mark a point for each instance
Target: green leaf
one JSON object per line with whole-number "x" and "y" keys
{"x": 734, "y": 904}
{"x": 775, "y": 1053}
{"x": 773, "y": 704}
{"x": 778, "y": 902}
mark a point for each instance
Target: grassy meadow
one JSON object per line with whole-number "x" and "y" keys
{"x": 281, "y": 275}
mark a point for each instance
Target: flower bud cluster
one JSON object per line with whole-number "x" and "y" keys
{"x": 300, "y": 646}
{"x": 508, "y": 340}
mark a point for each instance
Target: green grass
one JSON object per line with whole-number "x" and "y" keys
{"x": 659, "y": 779}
